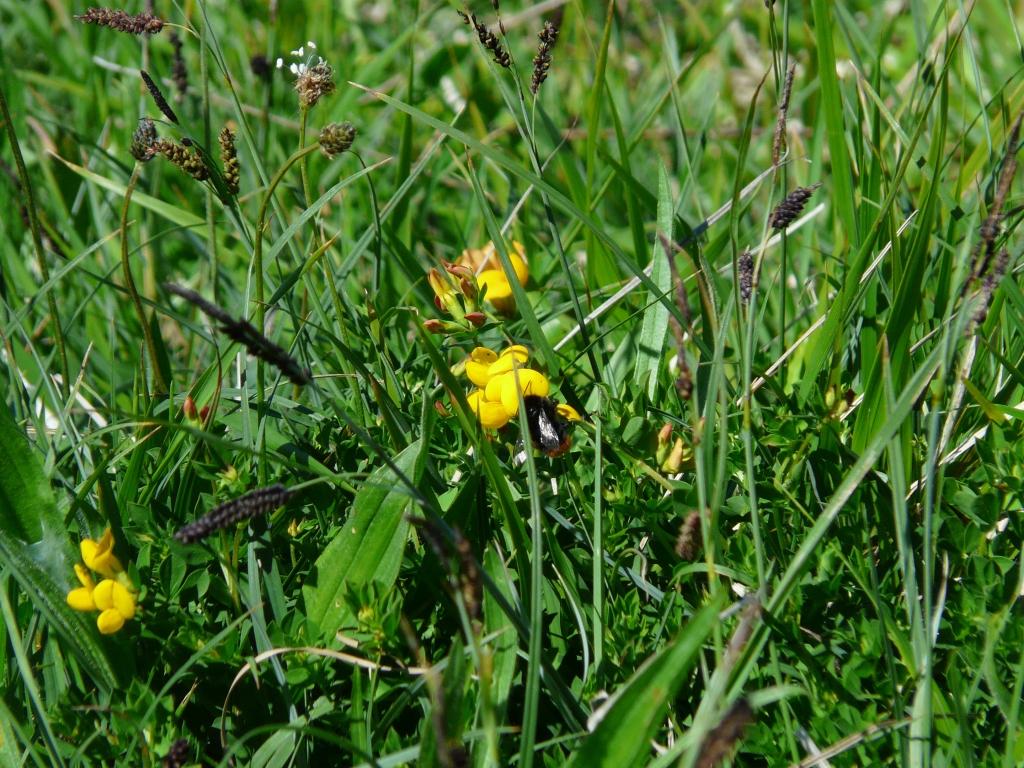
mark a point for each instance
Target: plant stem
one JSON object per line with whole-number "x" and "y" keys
{"x": 261, "y": 308}
{"x": 133, "y": 291}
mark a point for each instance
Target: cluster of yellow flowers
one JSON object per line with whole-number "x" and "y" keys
{"x": 476, "y": 273}
{"x": 495, "y": 401}
{"x": 114, "y": 597}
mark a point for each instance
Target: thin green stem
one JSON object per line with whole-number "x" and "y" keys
{"x": 598, "y": 574}
{"x": 261, "y": 308}
{"x": 133, "y": 291}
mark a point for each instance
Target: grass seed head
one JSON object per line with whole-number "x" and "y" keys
{"x": 122, "y": 21}
{"x": 724, "y": 736}
{"x": 487, "y": 39}
{"x": 158, "y": 97}
{"x": 259, "y": 65}
{"x": 689, "y": 539}
{"x": 779, "y": 139}
{"x": 229, "y": 159}
{"x": 179, "y": 72}
{"x": 548, "y": 36}
{"x": 791, "y": 207}
{"x": 258, "y": 502}
{"x": 246, "y": 334}
{"x": 315, "y": 83}
{"x": 186, "y": 158}
{"x": 745, "y": 268}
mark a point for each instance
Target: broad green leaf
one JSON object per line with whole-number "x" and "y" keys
{"x": 370, "y": 545}
{"x": 655, "y": 322}
{"x": 34, "y": 547}
{"x": 48, "y": 597}
{"x": 633, "y": 713}
{"x": 27, "y": 509}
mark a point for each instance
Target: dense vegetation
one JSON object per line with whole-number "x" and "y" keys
{"x": 602, "y": 384}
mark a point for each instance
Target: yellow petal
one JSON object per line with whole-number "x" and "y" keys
{"x": 110, "y": 621}
{"x": 517, "y": 255}
{"x": 106, "y": 542}
{"x": 483, "y": 355}
{"x": 497, "y": 290}
{"x": 477, "y": 372}
{"x": 514, "y": 356}
{"x": 81, "y": 599}
{"x": 491, "y": 415}
{"x": 89, "y": 548}
{"x": 99, "y": 555}
{"x": 492, "y": 391}
{"x": 84, "y": 577}
{"x": 566, "y": 411}
{"x": 530, "y": 382}
{"x": 124, "y": 601}
{"x": 103, "y": 595}
{"x": 521, "y": 353}
{"x": 480, "y": 259}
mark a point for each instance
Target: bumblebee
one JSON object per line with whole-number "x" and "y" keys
{"x": 549, "y": 430}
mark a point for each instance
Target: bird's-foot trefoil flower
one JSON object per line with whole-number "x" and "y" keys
{"x": 114, "y": 596}
{"x": 494, "y": 284}
{"x": 501, "y": 380}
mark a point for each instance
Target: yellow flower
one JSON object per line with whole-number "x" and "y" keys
{"x": 490, "y": 274}
{"x": 81, "y": 598}
{"x": 480, "y": 259}
{"x": 530, "y": 382}
{"x": 114, "y": 597}
{"x": 480, "y": 361}
{"x": 116, "y": 604}
{"x": 496, "y": 400}
{"x": 99, "y": 555}
{"x": 491, "y": 414}
{"x": 566, "y": 411}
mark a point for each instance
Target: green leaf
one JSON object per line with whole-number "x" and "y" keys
{"x": 34, "y": 547}
{"x": 368, "y": 548}
{"x": 633, "y": 714}
{"x": 655, "y": 322}
{"x": 170, "y": 212}
{"x": 832, "y": 109}
{"x": 27, "y": 509}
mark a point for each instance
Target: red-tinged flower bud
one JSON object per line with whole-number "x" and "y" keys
{"x": 476, "y": 318}
{"x": 664, "y": 434}
{"x": 434, "y": 325}
{"x": 204, "y": 413}
{"x": 442, "y": 411}
{"x": 468, "y": 288}
{"x": 459, "y": 270}
{"x": 189, "y": 408}
{"x": 438, "y": 304}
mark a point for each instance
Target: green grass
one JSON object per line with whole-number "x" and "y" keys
{"x": 848, "y": 433}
